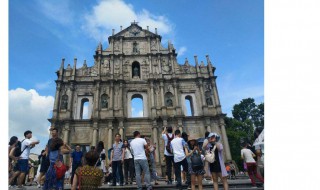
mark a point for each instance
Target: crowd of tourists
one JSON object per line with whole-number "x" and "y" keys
{"x": 131, "y": 159}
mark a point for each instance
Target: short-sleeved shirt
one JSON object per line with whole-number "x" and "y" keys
{"x": 247, "y": 155}
{"x": 25, "y": 145}
{"x": 77, "y": 156}
{"x": 177, "y": 146}
{"x": 137, "y": 147}
{"x": 165, "y": 138}
{"x": 117, "y": 151}
{"x": 127, "y": 153}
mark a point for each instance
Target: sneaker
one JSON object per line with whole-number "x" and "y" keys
{"x": 189, "y": 187}
{"x": 39, "y": 186}
{"x": 118, "y": 184}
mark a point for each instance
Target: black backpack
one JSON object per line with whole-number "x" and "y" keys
{"x": 17, "y": 150}
{"x": 168, "y": 147}
{"x": 196, "y": 162}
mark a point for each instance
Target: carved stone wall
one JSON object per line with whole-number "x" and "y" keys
{"x": 163, "y": 83}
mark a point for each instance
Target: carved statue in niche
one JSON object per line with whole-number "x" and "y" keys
{"x": 165, "y": 66}
{"x": 135, "y": 71}
{"x": 64, "y": 103}
{"x": 169, "y": 102}
{"x": 135, "y": 47}
{"x": 116, "y": 45}
{"x": 153, "y": 45}
{"x": 104, "y": 101}
{"x": 208, "y": 98}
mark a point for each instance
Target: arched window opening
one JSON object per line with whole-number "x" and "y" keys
{"x": 137, "y": 106}
{"x": 84, "y": 111}
{"x": 169, "y": 99}
{"x": 189, "y": 106}
{"x": 104, "y": 101}
{"x": 135, "y": 69}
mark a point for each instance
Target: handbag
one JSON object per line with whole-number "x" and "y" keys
{"x": 210, "y": 156}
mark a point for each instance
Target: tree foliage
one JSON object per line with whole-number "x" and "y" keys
{"x": 246, "y": 116}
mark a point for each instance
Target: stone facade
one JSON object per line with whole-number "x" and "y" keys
{"x": 135, "y": 64}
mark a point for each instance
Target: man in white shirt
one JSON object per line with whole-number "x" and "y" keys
{"x": 177, "y": 145}
{"x": 23, "y": 165}
{"x": 138, "y": 146}
{"x": 168, "y": 136}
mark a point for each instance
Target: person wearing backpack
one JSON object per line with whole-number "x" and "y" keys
{"x": 23, "y": 164}
{"x": 195, "y": 166}
{"x": 167, "y": 136}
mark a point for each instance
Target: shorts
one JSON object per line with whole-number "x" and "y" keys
{"x": 23, "y": 165}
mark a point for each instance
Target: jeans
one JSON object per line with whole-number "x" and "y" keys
{"x": 177, "y": 171}
{"x": 169, "y": 162}
{"x": 117, "y": 168}
{"x": 142, "y": 164}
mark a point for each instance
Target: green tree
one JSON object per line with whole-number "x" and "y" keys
{"x": 246, "y": 116}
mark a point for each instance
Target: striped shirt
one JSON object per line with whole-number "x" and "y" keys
{"x": 117, "y": 151}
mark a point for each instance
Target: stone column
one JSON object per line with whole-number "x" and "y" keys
{"x": 201, "y": 92}
{"x": 225, "y": 140}
{"x": 95, "y": 132}
{"x": 161, "y": 95}
{"x": 66, "y": 139}
{"x": 121, "y": 129}
{"x": 176, "y": 93}
{"x": 151, "y": 93}
{"x": 56, "y": 101}
{"x": 120, "y": 96}
{"x": 155, "y": 141}
{"x": 71, "y": 98}
{"x": 111, "y": 94}
{"x": 110, "y": 134}
{"x": 96, "y": 101}
{"x": 215, "y": 93}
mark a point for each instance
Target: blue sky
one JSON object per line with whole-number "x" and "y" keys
{"x": 41, "y": 33}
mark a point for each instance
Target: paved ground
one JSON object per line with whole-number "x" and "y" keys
{"x": 239, "y": 184}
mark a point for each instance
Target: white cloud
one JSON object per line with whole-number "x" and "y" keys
{"x": 181, "y": 51}
{"x": 140, "y": 114}
{"x": 44, "y": 85}
{"x": 112, "y": 14}
{"x": 58, "y": 10}
{"x": 29, "y": 111}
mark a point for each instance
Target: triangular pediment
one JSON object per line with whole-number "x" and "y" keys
{"x": 134, "y": 30}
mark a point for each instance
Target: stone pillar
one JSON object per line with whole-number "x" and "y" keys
{"x": 96, "y": 101}
{"x": 175, "y": 85}
{"x": 111, "y": 94}
{"x": 225, "y": 140}
{"x": 151, "y": 93}
{"x": 215, "y": 93}
{"x": 120, "y": 96}
{"x": 66, "y": 140}
{"x": 56, "y": 101}
{"x": 110, "y": 134}
{"x": 95, "y": 132}
{"x": 155, "y": 141}
{"x": 201, "y": 92}
{"x": 121, "y": 129}
{"x": 161, "y": 95}
{"x": 71, "y": 98}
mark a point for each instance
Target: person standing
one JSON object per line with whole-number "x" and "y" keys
{"x": 56, "y": 149}
{"x": 177, "y": 145}
{"x": 151, "y": 160}
{"x": 44, "y": 166}
{"x": 102, "y": 158}
{"x": 195, "y": 163}
{"x": 23, "y": 163}
{"x": 233, "y": 170}
{"x": 167, "y": 136}
{"x": 117, "y": 158}
{"x": 217, "y": 168}
{"x": 75, "y": 160}
{"x": 128, "y": 163}
{"x": 247, "y": 155}
{"x": 138, "y": 146}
